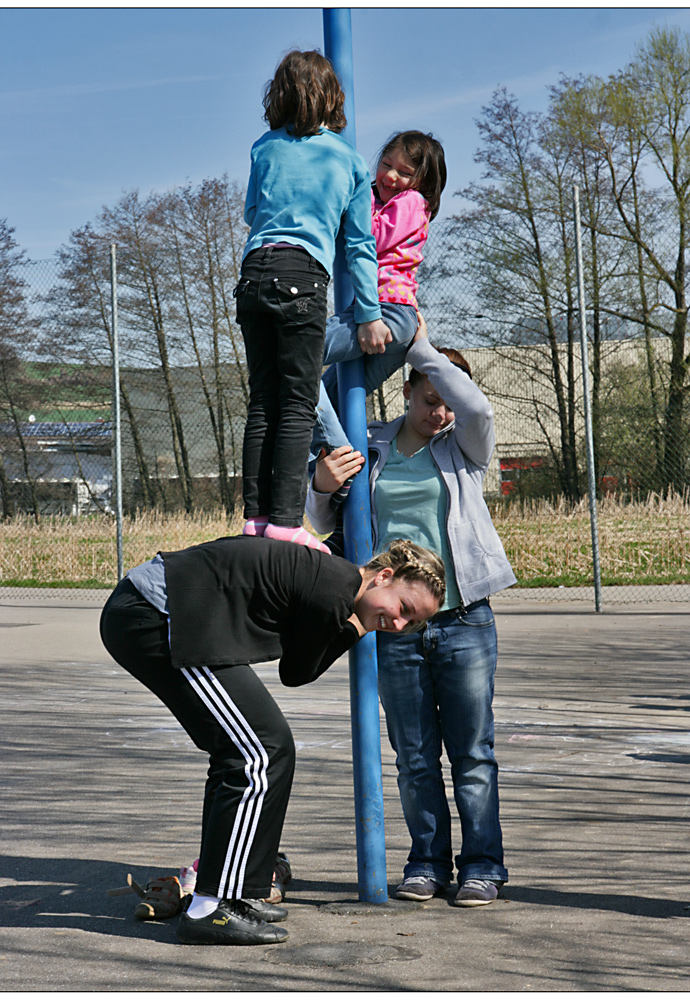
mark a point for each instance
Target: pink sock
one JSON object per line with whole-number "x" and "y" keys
{"x": 298, "y": 535}
{"x": 255, "y": 525}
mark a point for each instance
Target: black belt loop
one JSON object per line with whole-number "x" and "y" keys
{"x": 463, "y": 610}
{"x": 317, "y": 266}
{"x": 456, "y": 612}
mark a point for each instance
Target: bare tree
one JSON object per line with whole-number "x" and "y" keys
{"x": 178, "y": 262}
{"x": 574, "y": 111}
{"x": 195, "y": 231}
{"x": 80, "y": 309}
{"x": 143, "y": 280}
{"x": 514, "y": 241}
{"x": 16, "y": 332}
{"x": 646, "y": 129}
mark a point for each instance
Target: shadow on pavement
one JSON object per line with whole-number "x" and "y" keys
{"x": 73, "y": 893}
{"x": 643, "y": 906}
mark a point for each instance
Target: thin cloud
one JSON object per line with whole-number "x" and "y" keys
{"x": 41, "y": 94}
{"x": 525, "y": 87}
{"x": 442, "y": 101}
{"x": 637, "y": 32}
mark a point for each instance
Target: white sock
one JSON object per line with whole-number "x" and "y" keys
{"x": 202, "y": 906}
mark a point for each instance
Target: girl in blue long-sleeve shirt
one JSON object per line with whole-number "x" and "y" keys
{"x": 306, "y": 184}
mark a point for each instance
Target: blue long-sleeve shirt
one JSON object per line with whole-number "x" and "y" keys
{"x": 303, "y": 191}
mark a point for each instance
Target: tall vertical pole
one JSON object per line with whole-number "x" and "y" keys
{"x": 364, "y": 702}
{"x": 591, "y": 472}
{"x": 117, "y": 425}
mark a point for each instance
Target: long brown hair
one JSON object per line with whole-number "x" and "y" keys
{"x": 305, "y": 94}
{"x": 427, "y": 158}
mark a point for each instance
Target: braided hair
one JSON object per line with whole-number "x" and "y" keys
{"x": 412, "y": 563}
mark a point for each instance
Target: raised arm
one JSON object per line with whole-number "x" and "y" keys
{"x": 360, "y": 249}
{"x": 474, "y": 418}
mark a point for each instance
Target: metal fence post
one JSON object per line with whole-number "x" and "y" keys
{"x": 117, "y": 426}
{"x": 364, "y": 703}
{"x": 591, "y": 473}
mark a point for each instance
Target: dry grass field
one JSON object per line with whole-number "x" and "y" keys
{"x": 548, "y": 544}
{"x": 640, "y": 542}
{"x": 81, "y": 552}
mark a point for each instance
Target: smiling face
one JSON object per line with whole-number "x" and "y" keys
{"x": 394, "y": 173}
{"x": 386, "y": 604}
{"x": 427, "y": 414}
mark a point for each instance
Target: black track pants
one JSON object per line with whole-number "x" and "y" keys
{"x": 230, "y": 715}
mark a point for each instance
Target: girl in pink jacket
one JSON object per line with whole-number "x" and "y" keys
{"x": 405, "y": 197}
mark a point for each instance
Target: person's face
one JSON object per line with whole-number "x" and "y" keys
{"x": 388, "y": 605}
{"x": 394, "y": 174}
{"x": 427, "y": 413}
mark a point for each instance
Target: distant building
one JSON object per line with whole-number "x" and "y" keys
{"x": 69, "y": 464}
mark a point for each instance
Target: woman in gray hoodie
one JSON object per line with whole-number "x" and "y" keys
{"x": 437, "y": 685}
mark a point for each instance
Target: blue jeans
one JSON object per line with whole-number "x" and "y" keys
{"x": 436, "y": 688}
{"x": 341, "y": 345}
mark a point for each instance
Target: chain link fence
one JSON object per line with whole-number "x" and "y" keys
{"x": 184, "y": 399}
{"x": 510, "y": 304}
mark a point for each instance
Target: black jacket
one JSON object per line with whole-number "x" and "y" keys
{"x": 246, "y": 600}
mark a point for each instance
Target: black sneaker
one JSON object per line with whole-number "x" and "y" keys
{"x": 269, "y": 912}
{"x": 233, "y": 922}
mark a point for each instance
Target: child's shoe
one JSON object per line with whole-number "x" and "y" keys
{"x": 163, "y": 899}
{"x": 281, "y": 877}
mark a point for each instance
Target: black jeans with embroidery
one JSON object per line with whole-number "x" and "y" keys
{"x": 282, "y": 309}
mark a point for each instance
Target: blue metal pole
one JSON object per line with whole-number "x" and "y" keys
{"x": 364, "y": 701}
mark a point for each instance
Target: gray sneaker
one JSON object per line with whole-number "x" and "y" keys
{"x": 476, "y": 892}
{"x": 418, "y": 887}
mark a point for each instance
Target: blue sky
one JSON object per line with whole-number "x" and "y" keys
{"x": 97, "y": 102}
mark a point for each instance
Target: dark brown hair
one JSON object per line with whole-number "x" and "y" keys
{"x": 453, "y": 356}
{"x": 304, "y": 93}
{"x": 427, "y": 158}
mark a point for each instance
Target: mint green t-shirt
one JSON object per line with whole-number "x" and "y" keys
{"x": 411, "y": 501}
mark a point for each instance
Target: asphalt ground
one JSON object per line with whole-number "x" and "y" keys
{"x": 592, "y": 739}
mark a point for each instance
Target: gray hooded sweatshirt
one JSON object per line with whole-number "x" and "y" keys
{"x": 462, "y": 452}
